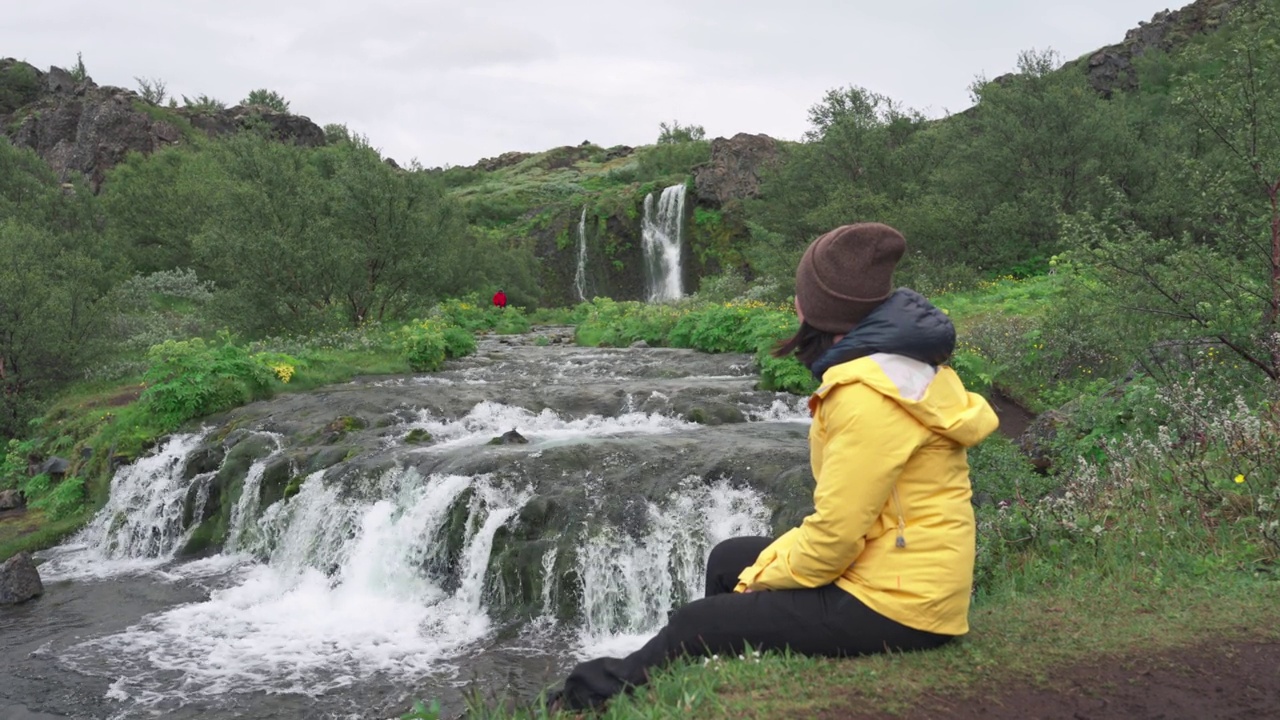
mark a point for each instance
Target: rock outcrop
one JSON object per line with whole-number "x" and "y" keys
{"x": 12, "y": 500}
{"x": 278, "y": 126}
{"x": 733, "y": 173}
{"x": 83, "y": 129}
{"x": 19, "y": 580}
{"x": 1112, "y": 68}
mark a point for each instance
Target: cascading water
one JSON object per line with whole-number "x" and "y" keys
{"x": 661, "y": 238}
{"x": 580, "y": 276}
{"x": 343, "y": 596}
{"x": 406, "y": 570}
{"x": 141, "y": 526}
{"x": 630, "y": 584}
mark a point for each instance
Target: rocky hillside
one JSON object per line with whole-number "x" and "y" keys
{"x": 81, "y": 128}
{"x": 1112, "y": 68}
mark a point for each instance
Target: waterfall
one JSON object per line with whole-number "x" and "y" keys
{"x": 580, "y": 277}
{"x": 630, "y": 584}
{"x": 240, "y": 530}
{"x": 141, "y": 525}
{"x": 661, "y": 232}
{"x": 346, "y": 589}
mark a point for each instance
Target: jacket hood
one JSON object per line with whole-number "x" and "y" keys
{"x": 905, "y": 324}
{"x": 896, "y": 351}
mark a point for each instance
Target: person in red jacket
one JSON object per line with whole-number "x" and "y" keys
{"x": 500, "y": 299}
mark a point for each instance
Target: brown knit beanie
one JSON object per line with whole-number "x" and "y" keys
{"x": 846, "y": 273}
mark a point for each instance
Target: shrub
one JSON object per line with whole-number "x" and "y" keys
{"x": 511, "y": 322}
{"x": 64, "y": 500}
{"x": 269, "y": 99}
{"x": 13, "y": 467}
{"x": 188, "y": 379}
{"x": 458, "y": 342}
{"x": 18, "y": 86}
{"x": 470, "y": 313}
{"x": 423, "y": 345}
{"x": 1187, "y": 480}
{"x": 740, "y": 326}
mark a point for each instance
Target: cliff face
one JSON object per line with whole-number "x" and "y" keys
{"x": 81, "y": 128}
{"x": 1112, "y": 69}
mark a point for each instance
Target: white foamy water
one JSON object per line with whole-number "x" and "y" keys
{"x": 344, "y": 597}
{"x": 140, "y": 528}
{"x": 781, "y": 410}
{"x": 580, "y": 275}
{"x": 245, "y": 513}
{"x": 488, "y": 420}
{"x": 661, "y": 242}
{"x": 630, "y": 584}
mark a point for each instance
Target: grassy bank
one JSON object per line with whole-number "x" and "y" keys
{"x": 1016, "y": 640}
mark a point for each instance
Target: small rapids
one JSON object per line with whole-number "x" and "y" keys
{"x": 373, "y": 547}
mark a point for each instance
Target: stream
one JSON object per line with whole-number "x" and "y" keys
{"x": 343, "y": 552}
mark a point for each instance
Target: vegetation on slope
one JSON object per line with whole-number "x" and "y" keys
{"x": 1114, "y": 263}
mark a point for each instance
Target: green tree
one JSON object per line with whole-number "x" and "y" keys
{"x": 335, "y": 133}
{"x": 18, "y": 85}
{"x": 1217, "y": 281}
{"x": 155, "y": 205}
{"x": 677, "y": 133}
{"x": 79, "y": 72}
{"x": 153, "y": 90}
{"x": 849, "y": 169}
{"x": 268, "y": 99}
{"x": 203, "y": 104}
{"x": 1233, "y": 103}
{"x": 299, "y": 238}
{"x": 396, "y": 231}
{"x": 1037, "y": 143}
{"x": 268, "y": 242}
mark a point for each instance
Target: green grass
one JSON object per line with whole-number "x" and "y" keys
{"x": 1004, "y": 297}
{"x": 1016, "y": 640}
{"x": 30, "y": 532}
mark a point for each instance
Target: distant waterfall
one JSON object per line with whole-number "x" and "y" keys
{"x": 661, "y": 239}
{"x": 580, "y": 277}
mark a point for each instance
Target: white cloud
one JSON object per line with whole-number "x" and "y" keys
{"x": 449, "y": 83}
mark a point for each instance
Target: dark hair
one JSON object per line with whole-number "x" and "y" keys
{"x": 809, "y": 344}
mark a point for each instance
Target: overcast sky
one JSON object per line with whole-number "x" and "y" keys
{"x": 450, "y": 83}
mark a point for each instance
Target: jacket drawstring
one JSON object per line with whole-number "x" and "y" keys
{"x": 902, "y": 520}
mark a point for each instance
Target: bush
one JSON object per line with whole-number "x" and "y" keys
{"x": 470, "y": 313}
{"x": 64, "y": 500}
{"x": 740, "y": 326}
{"x": 458, "y": 342}
{"x": 511, "y": 322}
{"x": 188, "y": 379}
{"x": 423, "y": 344}
{"x": 1186, "y": 483}
{"x": 18, "y": 86}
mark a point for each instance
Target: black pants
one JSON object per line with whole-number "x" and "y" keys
{"x": 823, "y": 621}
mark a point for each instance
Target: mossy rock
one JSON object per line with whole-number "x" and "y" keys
{"x": 294, "y": 486}
{"x": 206, "y": 540}
{"x": 346, "y": 423}
{"x": 277, "y": 478}
{"x": 418, "y": 436}
{"x": 327, "y": 458}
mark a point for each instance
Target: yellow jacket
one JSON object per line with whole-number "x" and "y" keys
{"x": 892, "y": 521}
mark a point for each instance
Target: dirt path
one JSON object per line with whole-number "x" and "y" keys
{"x": 1238, "y": 681}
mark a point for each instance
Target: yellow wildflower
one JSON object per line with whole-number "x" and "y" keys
{"x": 1239, "y": 479}
{"x": 284, "y": 371}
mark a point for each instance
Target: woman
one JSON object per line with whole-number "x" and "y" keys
{"x": 885, "y": 562}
